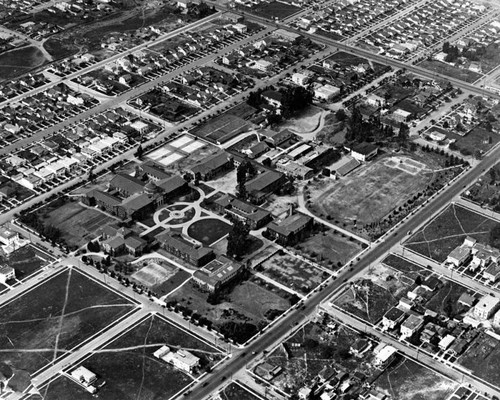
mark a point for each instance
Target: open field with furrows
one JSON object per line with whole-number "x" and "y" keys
{"x": 313, "y": 348}
{"x": 42, "y": 324}
{"x": 368, "y": 194}
{"x": 482, "y": 358}
{"x": 448, "y": 230}
{"x": 292, "y": 272}
{"x": 78, "y": 223}
{"x": 407, "y": 380}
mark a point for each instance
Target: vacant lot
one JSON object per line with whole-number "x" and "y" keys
{"x": 445, "y": 300}
{"x": 366, "y": 195}
{"x": 448, "y": 230}
{"x": 453, "y": 72}
{"x": 407, "y": 380}
{"x": 26, "y": 261}
{"x": 408, "y": 268}
{"x": 292, "y": 272}
{"x": 208, "y": 230}
{"x": 62, "y": 388}
{"x": 19, "y": 61}
{"x": 477, "y": 139}
{"x": 366, "y": 300}
{"x": 482, "y": 358}
{"x": 234, "y": 391}
{"x": 275, "y": 9}
{"x": 330, "y": 249}
{"x": 78, "y": 223}
{"x": 132, "y": 372}
{"x": 54, "y": 317}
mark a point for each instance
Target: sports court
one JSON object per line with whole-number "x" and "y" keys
{"x": 154, "y": 274}
{"x": 181, "y": 141}
{"x": 193, "y": 147}
{"x": 170, "y": 159}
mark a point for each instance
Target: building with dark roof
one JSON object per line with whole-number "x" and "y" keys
{"x": 364, "y": 151}
{"x": 290, "y": 230}
{"x": 264, "y": 184}
{"x": 115, "y": 241}
{"x": 126, "y": 185}
{"x": 217, "y": 273}
{"x": 153, "y": 172}
{"x": 253, "y": 216}
{"x": 178, "y": 245}
{"x": 212, "y": 166}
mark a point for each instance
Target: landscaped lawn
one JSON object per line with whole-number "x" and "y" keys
{"x": 407, "y": 380}
{"x": 208, "y": 230}
{"x": 63, "y": 311}
{"x": 448, "y": 230}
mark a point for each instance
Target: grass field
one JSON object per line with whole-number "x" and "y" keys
{"x": 448, "y": 230}
{"x": 54, "y": 317}
{"x": 275, "y": 9}
{"x": 208, "y": 230}
{"x": 62, "y": 388}
{"x": 454, "y": 72}
{"x": 292, "y": 272}
{"x": 19, "y": 61}
{"x": 407, "y": 380}
{"x": 330, "y": 249}
{"x": 78, "y": 223}
{"x": 482, "y": 358}
{"x": 233, "y": 391}
{"x": 408, "y": 268}
{"x": 367, "y": 194}
{"x": 476, "y": 139}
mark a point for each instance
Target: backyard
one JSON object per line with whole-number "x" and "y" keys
{"x": 54, "y": 317}
{"x": 448, "y": 230}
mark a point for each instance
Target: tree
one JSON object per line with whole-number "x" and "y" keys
{"x": 139, "y": 152}
{"x": 404, "y": 133}
{"x": 237, "y": 241}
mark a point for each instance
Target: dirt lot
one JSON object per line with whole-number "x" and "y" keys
{"x": 366, "y": 195}
{"x": 407, "y": 380}
{"x": 69, "y": 303}
{"x": 482, "y": 358}
{"x": 292, "y": 272}
{"x": 448, "y": 230}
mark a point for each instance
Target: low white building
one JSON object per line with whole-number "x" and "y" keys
{"x": 486, "y": 307}
{"x": 7, "y": 273}
{"x": 181, "y": 359}
{"x": 326, "y": 92}
{"x": 385, "y": 356}
{"x": 301, "y": 79}
{"x": 446, "y": 342}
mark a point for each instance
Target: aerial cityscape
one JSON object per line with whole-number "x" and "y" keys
{"x": 250, "y": 199}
